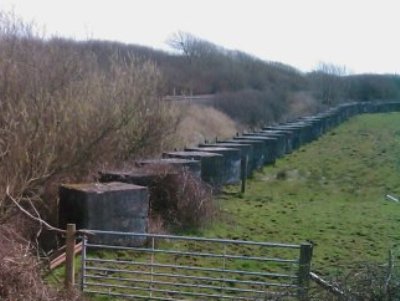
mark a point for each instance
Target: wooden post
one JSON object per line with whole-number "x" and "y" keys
{"x": 70, "y": 257}
{"x": 243, "y": 173}
{"x": 306, "y": 251}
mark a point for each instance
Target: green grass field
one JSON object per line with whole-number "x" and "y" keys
{"x": 331, "y": 192}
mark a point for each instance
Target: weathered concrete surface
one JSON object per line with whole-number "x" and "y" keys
{"x": 211, "y": 164}
{"x": 270, "y": 146}
{"x": 317, "y": 124}
{"x": 112, "y": 207}
{"x": 306, "y": 131}
{"x": 258, "y": 150}
{"x": 162, "y": 184}
{"x": 280, "y": 145}
{"x": 246, "y": 151}
{"x": 136, "y": 176}
{"x": 194, "y": 166}
{"x": 231, "y": 167}
{"x": 288, "y": 137}
{"x": 296, "y": 140}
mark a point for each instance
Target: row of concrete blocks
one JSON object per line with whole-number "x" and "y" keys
{"x": 120, "y": 202}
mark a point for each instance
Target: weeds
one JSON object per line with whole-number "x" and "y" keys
{"x": 364, "y": 282}
{"x": 201, "y": 123}
{"x": 20, "y": 277}
{"x": 180, "y": 200}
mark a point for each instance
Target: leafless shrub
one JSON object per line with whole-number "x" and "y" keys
{"x": 372, "y": 282}
{"x": 302, "y": 104}
{"x": 20, "y": 278}
{"x": 180, "y": 199}
{"x": 64, "y": 113}
{"x": 253, "y": 108}
{"x": 364, "y": 282}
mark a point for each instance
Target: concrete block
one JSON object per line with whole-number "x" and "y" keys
{"x": 246, "y": 150}
{"x": 288, "y": 135}
{"x": 259, "y": 150}
{"x": 211, "y": 164}
{"x": 106, "y": 206}
{"x": 270, "y": 146}
{"x": 231, "y": 166}
{"x": 194, "y": 166}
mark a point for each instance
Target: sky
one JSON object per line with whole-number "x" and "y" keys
{"x": 360, "y": 35}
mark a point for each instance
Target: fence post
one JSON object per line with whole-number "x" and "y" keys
{"x": 83, "y": 264}
{"x": 70, "y": 257}
{"x": 243, "y": 173}
{"x": 306, "y": 251}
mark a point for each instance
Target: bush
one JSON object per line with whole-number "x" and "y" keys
{"x": 20, "y": 278}
{"x": 371, "y": 282}
{"x": 64, "y": 112}
{"x": 180, "y": 199}
{"x": 200, "y": 123}
{"x": 253, "y": 108}
{"x": 365, "y": 282}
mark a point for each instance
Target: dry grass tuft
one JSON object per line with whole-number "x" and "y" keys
{"x": 199, "y": 123}
{"x": 20, "y": 278}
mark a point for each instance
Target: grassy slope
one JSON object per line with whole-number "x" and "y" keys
{"x": 332, "y": 193}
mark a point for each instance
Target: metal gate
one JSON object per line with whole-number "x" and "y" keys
{"x": 168, "y": 267}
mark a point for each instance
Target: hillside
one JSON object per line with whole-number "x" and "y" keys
{"x": 252, "y": 91}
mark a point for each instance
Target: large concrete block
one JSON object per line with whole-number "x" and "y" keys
{"x": 246, "y": 151}
{"x": 288, "y": 136}
{"x": 211, "y": 164}
{"x": 323, "y": 122}
{"x": 111, "y": 207}
{"x": 306, "y": 131}
{"x": 270, "y": 146}
{"x": 259, "y": 150}
{"x": 303, "y": 133}
{"x": 194, "y": 166}
{"x": 316, "y": 124}
{"x": 232, "y": 162}
{"x": 136, "y": 176}
{"x": 162, "y": 184}
{"x": 281, "y": 142}
{"x": 296, "y": 134}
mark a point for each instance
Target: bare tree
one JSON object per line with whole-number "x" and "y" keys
{"x": 329, "y": 83}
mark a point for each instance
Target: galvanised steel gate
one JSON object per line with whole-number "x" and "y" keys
{"x": 168, "y": 267}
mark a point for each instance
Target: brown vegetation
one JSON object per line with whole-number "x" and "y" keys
{"x": 364, "y": 282}
{"x": 200, "y": 122}
{"x": 179, "y": 199}
{"x": 63, "y": 113}
{"x": 20, "y": 271}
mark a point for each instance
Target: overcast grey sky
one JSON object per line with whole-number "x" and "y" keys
{"x": 359, "y": 34}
